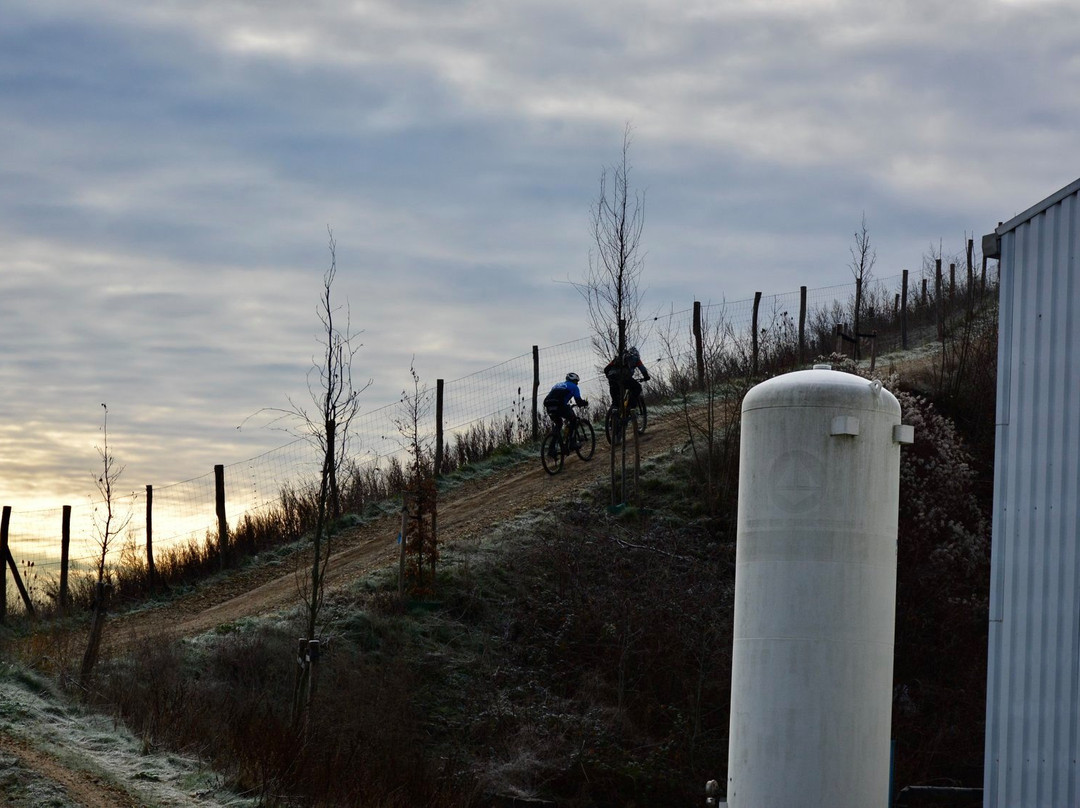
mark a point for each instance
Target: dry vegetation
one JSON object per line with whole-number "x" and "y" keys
{"x": 578, "y": 657}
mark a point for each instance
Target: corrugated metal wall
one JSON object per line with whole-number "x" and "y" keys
{"x": 1033, "y": 685}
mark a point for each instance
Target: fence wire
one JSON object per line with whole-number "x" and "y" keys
{"x": 185, "y": 511}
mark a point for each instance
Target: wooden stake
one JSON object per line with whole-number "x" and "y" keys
{"x": 151, "y": 573}
{"x": 802, "y": 325}
{"x": 65, "y": 546}
{"x": 535, "y": 394}
{"x": 903, "y": 311}
{"x": 5, "y": 522}
{"x": 402, "y": 536}
{"x": 438, "y": 426}
{"x": 223, "y": 522}
{"x": 698, "y": 349}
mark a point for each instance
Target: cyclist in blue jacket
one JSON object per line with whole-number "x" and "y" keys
{"x": 557, "y": 405}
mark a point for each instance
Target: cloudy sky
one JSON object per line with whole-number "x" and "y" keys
{"x": 169, "y": 170}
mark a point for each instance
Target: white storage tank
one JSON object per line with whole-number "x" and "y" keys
{"x": 815, "y": 593}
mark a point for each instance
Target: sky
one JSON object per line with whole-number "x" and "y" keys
{"x": 170, "y": 173}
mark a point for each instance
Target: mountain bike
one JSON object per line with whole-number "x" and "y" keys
{"x": 555, "y": 447}
{"x": 618, "y": 416}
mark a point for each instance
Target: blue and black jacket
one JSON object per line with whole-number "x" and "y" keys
{"x": 561, "y": 394}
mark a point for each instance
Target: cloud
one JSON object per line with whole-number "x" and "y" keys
{"x": 171, "y": 170}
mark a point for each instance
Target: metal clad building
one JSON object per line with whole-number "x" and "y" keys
{"x": 1033, "y": 682}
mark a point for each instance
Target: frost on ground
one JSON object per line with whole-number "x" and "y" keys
{"x": 52, "y": 752}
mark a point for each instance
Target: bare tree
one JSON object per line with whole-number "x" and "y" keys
{"x": 335, "y": 398}
{"x": 332, "y": 390}
{"x": 611, "y": 288}
{"x": 109, "y": 521}
{"x": 414, "y": 412}
{"x": 863, "y": 258}
{"x": 422, "y": 540}
{"x": 336, "y": 401}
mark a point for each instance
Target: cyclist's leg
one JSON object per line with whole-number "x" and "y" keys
{"x": 634, "y": 386}
{"x": 556, "y": 420}
{"x": 566, "y": 412}
{"x": 572, "y": 429}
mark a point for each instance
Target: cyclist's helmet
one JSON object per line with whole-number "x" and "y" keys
{"x": 573, "y": 377}
{"x": 633, "y": 355}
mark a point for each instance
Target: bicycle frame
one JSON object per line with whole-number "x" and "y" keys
{"x": 559, "y": 443}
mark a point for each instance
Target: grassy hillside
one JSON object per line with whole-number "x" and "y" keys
{"x": 580, "y": 657}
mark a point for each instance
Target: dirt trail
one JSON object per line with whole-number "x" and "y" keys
{"x": 465, "y": 512}
{"x": 83, "y": 788}
{"x": 468, "y": 511}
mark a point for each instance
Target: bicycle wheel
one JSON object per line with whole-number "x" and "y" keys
{"x": 552, "y": 465}
{"x": 642, "y": 416}
{"x": 586, "y": 438}
{"x": 612, "y": 426}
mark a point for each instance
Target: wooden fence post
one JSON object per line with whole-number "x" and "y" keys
{"x": 314, "y": 654}
{"x": 65, "y": 547}
{"x": 535, "y": 394}
{"x": 802, "y": 325}
{"x": 970, "y": 276}
{"x": 937, "y": 299}
{"x": 858, "y": 322}
{"x": 5, "y": 550}
{"x": 952, "y": 283}
{"x": 924, "y": 291}
{"x": 611, "y": 455}
{"x": 754, "y": 327}
{"x": 622, "y": 458}
{"x": 403, "y": 538}
{"x": 839, "y": 338}
{"x": 699, "y": 353}
{"x": 903, "y": 311}
{"x": 223, "y": 522}
{"x": 151, "y": 572}
{"x": 438, "y": 426}
{"x": 5, "y": 523}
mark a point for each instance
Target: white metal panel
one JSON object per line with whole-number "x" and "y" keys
{"x": 1033, "y": 677}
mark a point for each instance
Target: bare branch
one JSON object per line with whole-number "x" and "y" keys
{"x": 863, "y": 255}
{"x": 108, "y": 520}
{"x": 610, "y": 288}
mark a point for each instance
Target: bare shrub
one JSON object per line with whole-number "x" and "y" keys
{"x": 943, "y": 576}
{"x": 231, "y": 705}
{"x": 631, "y": 630}
{"x": 942, "y": 596}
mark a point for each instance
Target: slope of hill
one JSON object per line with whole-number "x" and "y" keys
{"x": 54, "y": 752}
{"x": 567, "y": 653}
{"x": 469, "y": 511}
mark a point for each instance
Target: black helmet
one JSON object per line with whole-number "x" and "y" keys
{"x": 573, "y": 377}
{"x": 633, "y": 354}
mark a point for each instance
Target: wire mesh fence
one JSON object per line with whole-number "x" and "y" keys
{"x": 186, "y": 511}
{"x": 181, "y": 512}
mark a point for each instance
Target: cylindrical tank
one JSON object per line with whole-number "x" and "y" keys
{"x": 815, "y": 593}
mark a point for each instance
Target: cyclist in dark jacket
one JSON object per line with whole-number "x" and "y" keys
{"x": 620, "y": 376}
{"x": 557, "y": 405}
